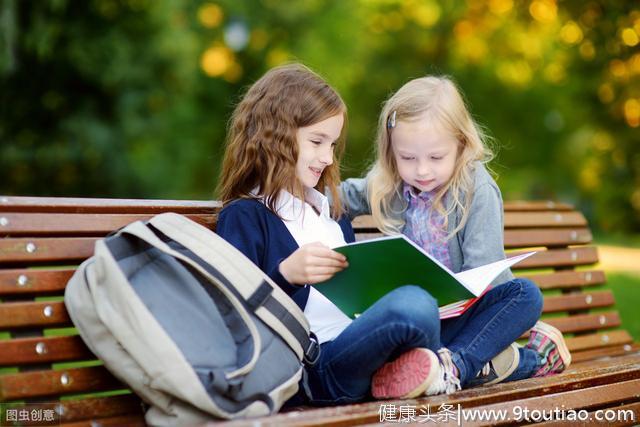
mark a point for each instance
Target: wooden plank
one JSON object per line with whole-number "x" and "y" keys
{"x": 34, "y": 282}
{"x": 551, "y": 258}
{"x": 605, "y": 373}
{"x": 70, "y": 224}
{"x": 128, "y": 421}
{"x": 623, "y": 415}
{"x": 536, "y": 205}
{"x": 578, "y": 301}
{"x": 544, "y": 219}
{"x": 587, "y": 342}
{"x": 39, "y": 350}
{"x": 592, "y": 397}
{"x": 549, "y": 237}
{"x": 611, "y": 351}
{"x": 103, "y": 407}
{"x": 585, "y": 322}
{"x": 567, "y": 279}
{"x": 26, "y": 385}
{"x": 25, "y": 251}
{"x": 40, "y": 314}
{"x": 99, "y": 205}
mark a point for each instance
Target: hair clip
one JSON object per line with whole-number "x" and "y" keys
{"x": 391, "y": 121}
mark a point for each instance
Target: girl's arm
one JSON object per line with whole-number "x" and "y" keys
{"x": 483, "y": 234}
{"x": 353, "y": 194}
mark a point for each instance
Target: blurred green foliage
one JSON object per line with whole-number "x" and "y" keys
{"x": 130, "y": 98}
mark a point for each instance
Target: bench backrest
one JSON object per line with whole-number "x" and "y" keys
{"x": 43, "y": 239}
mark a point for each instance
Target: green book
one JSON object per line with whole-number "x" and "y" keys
{"x": 379, "y": 265}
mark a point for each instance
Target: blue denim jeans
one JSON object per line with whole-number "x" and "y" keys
{"x": 405, "y": 318}
{"x": 408, "y": 317}
{"x": 501, "y": 316}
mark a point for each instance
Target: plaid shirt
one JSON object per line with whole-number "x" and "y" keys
{"x": 425, "y": 226}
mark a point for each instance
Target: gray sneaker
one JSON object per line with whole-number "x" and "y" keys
{"x": 498, "y": 368}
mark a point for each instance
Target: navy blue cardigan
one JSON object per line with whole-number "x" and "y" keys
{"x": 262, "y": 236}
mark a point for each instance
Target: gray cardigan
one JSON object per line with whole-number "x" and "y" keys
{"x": 481, "y": 239}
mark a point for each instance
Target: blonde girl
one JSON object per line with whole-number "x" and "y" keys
{"x": 430, "y": 183}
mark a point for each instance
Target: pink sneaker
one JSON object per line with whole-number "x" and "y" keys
{"x": 416, "y": 372}
{"x": 551, "y": 346}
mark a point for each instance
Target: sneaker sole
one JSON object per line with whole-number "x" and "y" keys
{"x": 406, "y": 377}
{"x": 515, "y": 361}
{"x": 554, "y": 334}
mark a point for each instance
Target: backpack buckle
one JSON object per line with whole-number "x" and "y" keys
{"x": 312, "y": 354}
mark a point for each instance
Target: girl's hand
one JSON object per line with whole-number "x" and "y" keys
{"x": 312, "y": 263}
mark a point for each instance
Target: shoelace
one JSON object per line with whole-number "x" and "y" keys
{"x": 448, "y": 382}
{"x": 486, "y": 370}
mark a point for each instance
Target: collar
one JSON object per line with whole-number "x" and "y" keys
{"x": 409, "y": 192}
{"x": 289, "y": 205}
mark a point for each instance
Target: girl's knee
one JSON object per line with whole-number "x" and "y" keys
{"x": 531, "y": 294}
{"x": 412, "y": 304}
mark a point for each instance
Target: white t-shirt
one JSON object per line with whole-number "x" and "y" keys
{"x": 311, "y": 222}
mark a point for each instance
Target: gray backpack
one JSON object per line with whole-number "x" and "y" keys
{"x": 189, "y": 323}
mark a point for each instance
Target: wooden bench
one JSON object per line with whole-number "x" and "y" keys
{"x": 43, "y": 360}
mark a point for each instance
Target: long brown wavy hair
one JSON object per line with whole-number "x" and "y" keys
{"x": 262, "y": 148}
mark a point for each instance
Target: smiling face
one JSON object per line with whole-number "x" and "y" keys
{"x": 424, "y": 152}
{"x": 315, "y": 148}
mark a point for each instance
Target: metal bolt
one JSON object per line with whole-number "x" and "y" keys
{"x": 4, "y": 221}
{"x": 41, "y": 348}
{"x": 31, "y": 247}
{"x": 4, "y": 200}
{"x": 558, "y": 217}
{"x": 48, "y": 311}
{"x": 64, "y": 379}
{"x": 60, "y": 409}
{"x": 574, "y": 256}
{"x": 587, "y": 277}
{"x": 605, "y": 338}
{"x": 626, "y": 347}
{"x": 550, "y": 204}
{"x": 588, "y": 299}
{"x": 574, "y": 235}
{"x": 602, "y": 319}
{"x": 95, "y": 424}
{"x": 22, "y": 280}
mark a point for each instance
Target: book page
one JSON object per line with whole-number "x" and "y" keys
{"x": 477, "y": 279}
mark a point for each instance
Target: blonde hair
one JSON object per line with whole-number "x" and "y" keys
{"x": 262, "y": 148}
{"x": 437, "y": 98}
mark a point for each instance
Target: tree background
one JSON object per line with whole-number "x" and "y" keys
{"x": 130, "y": 98}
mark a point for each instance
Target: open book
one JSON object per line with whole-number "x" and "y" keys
{"x": 380, "y": 265}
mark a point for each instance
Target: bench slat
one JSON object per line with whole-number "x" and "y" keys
{"x": 26, "y": 385}
{"x": 98, "y": 205}
{"x": 87, "y": 409}
{"x": 24, "y": 351}
{"x": 567, "y": 279}
{"x": 129, "y": 421}
{"x": 539, "y": 205}
{"x": 544, "y": 219}
{"x": 24, "y": 251}
{"x": 600, "y": 396}
{"x": 579, "y": 356}
{"x": 37, "y": 314}
{"x": 579, "y": 301}
{"x": 551, "y": 258}
{"x": 32, "y": 282}
{"x": 585, "y": 322}
{"x": 546, "y": 237}
{"x": 590, "y": 341}
{"x": 70, "y": 224}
